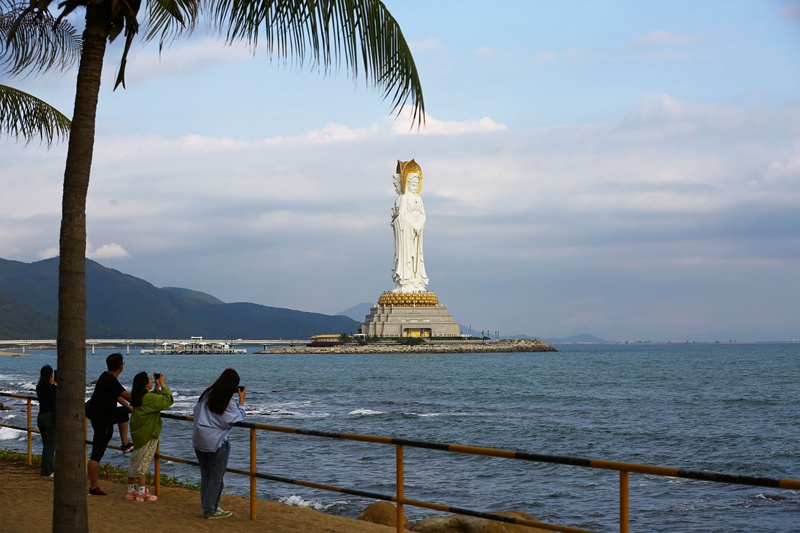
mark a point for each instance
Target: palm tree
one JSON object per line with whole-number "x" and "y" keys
{"x": 361, "y": 34}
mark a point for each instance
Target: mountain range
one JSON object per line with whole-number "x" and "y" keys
{"x": 123, "y": 306}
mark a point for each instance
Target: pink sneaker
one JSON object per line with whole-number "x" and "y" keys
{"x": 131, "y": 495}
{"x": 149, "y": 497}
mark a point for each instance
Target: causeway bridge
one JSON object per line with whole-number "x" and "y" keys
{"x": 92, "y": 344}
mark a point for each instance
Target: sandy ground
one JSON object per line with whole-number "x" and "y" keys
{"x": 27, "y": 502}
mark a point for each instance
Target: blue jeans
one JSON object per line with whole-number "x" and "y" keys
{"x": 212, "y": 470}
{"x": 47, "y": 427}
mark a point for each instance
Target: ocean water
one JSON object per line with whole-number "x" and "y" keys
{"x": 717, "y": 407}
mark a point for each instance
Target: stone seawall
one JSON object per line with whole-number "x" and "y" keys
{"x": 490, "y": 346}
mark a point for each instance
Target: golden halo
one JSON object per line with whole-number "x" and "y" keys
{"x": 404, "y": 168}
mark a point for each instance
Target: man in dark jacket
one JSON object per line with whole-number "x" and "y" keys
{"x": 104, "y": 413}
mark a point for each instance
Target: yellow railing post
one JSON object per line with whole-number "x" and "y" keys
{"x": 85, "y": 443}
{"x": 252, "y": 473}
{"x": 30, "y": 435}
{"x": 157, "y": 469}
{"x": 623, "y": 501}
{"x": 400, "y": 491}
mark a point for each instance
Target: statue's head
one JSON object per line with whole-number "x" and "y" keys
{"x": 406, "y": 169}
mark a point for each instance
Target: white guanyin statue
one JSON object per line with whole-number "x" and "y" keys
{"x": 408, "y": 223}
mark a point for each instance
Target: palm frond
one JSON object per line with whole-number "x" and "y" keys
{"x": 31, "y": 40}
{"x": 167, "y": 19}
{"x": 23, "y": 116}
{"x": 359, "y": 34}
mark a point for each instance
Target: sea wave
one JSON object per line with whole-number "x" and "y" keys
{"x": 365, "y": 412}
{"x": 707, "y": 408}
{"x": 12, "y": 434}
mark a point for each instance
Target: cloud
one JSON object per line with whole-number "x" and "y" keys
{"x": 791, "y": 10}
{"x": 543, "y": 58}
{"x": 338, "y": 133}
{"x": 673, "y": 194}
{"x": 106, "y": 251}
{"x": 663, "y": 108}
{"x": 425, "y": 46}
{"x": 48, "y": 253}
{"x": 662, "y": 37}
{"x": 784, "y": 173}
{"x": 147, "y": 65}
{"x": 432, "y": 126}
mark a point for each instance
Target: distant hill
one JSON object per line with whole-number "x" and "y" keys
{"x": 585, "y": 338}
{"x": 20, "y": 321}
{"x": 120, "y": 305}
{"x": 358, "y": 312}
{"x": 194, "y": 294}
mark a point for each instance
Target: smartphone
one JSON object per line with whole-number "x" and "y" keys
{"x": 241, "y": 388}
{"x": 157, "y": 375}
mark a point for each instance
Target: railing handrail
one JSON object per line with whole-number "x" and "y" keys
{"x": 624, "y": 468}
{"x": 620, "y": 466}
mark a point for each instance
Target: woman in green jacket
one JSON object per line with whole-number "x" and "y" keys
{"x": 145, "y": 427}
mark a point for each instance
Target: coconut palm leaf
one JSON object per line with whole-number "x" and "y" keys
{"x": 24, "y": 116}
{"x": 359, "y": 34}
{"x": 33, "y": 41}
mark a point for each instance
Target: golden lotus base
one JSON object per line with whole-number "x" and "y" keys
{"x": 409, "y": 299}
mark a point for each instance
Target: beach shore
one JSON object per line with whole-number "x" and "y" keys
{"x": 28, "y": 500}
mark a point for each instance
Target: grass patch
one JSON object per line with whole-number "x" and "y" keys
{"x": 109, "y": 472}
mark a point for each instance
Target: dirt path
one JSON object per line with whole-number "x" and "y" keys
{"x": 27, "y": 502}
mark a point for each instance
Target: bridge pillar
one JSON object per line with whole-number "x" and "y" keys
{"x": 93, "y": 349}
{"x": 23, "y": 348}
{"x": 127, "y": 348}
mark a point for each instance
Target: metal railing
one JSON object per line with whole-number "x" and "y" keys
{"x": 624, "y": 469}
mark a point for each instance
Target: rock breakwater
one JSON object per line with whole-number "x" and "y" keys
{"x": 489, "y": 346}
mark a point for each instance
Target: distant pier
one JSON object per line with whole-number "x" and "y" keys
{"x": 152, "y": 344}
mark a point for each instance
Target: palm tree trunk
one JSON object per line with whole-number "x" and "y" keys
{"x": 69, "y": 497}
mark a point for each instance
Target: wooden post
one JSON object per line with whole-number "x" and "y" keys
{"x": 623, "y": 501}
{"x": 86, "y": 442}
{"x": 157, "y": 469}
{"x": 252, "y": 473}
{"x": 400, "y": 491}
{"x": 30, "y": 435}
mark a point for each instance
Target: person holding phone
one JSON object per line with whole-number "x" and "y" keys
{"x": 46, "y": 420}
{"x": 216, "y": 412}
{"x": 146, "y": 430}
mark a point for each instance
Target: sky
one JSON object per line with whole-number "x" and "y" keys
{"x": 625, "y": 169}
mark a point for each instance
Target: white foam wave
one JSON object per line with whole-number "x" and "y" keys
{"x": 369, "y": 412}
{"x": 789, "y": 452}
{"x": 365, "y": 412}
{"x": 298, "y": 501}
{"x": 11, "y": 434}
{"x": 286, "y": 413}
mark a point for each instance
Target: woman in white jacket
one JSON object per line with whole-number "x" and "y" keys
{"x": 215, "y": 413}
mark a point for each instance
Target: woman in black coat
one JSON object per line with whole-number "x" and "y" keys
{"x": 46, "y": 394}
